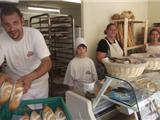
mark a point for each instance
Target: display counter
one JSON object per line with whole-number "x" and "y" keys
{"x": 138, "y": 95}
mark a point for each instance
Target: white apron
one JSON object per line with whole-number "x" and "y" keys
{"x": 115, "y": 49}
{"x": 152, "y": 49}
{"x": 39, "y": 89}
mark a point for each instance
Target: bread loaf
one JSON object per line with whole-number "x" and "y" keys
{"x": 115, "y": 16}
{"x": 60, "y": 115}
{"x": 5, "y": 92}
{"x": 35, "y": 116}
{"x": 127, "y": 14}
{"x": 16, "y": 96}
{"x": 48, "y": 114}
{"x": 25, "y": 117}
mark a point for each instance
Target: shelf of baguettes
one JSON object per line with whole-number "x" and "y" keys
{"x": 136, "y": 46}
{"x": 127, "y": 33}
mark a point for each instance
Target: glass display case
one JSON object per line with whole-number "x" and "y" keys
{"x": 138, "y": 95}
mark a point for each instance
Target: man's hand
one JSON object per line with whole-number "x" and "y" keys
{"x": 4, "y": 77}
{"x": 26, "y": 82}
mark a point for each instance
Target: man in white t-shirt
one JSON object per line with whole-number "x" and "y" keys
{"x": 26, "y": 54}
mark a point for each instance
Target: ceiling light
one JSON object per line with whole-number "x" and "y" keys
{"x": 74, "y": 1}
{"x": 10, "y": 1}
{"x": 45, "y": 9}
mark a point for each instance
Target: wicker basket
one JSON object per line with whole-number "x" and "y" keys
{"x": 153, "y": 62}
{"x": 121, "y": 70}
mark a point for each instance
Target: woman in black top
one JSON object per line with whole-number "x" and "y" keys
{"x": 108, "y": 46}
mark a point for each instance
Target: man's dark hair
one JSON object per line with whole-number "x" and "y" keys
{"x": 8, "y": 10}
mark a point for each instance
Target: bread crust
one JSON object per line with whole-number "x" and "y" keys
{"x": 16, "y": 96}
{"x": 48, "y": 114}
{"x": 5, "y": 92}
{"x": 35, "y": 116}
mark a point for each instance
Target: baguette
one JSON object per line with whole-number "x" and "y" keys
{"x": 5, "y": 92}
{"x": 48, "y": 114}
{"x": 16, "y": 96}
{"x": 35, "y": 116}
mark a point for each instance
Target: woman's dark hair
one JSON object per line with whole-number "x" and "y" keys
{"x": 154, "y": 29}
{"x": 108, "y": 26}
{"x": 8, "y": 10}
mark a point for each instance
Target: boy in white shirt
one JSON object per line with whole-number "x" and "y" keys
{"x": 81, "y": 68}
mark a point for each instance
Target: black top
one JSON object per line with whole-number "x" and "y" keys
{"x": 104, "y": 47}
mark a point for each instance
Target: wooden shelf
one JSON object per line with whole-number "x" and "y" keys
{"x": 129, "y": 20}
{"x": 126, "y": 22}
{"x": 134, "y": 47}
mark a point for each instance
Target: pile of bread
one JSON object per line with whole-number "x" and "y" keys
{"x": 120, "y": 26}
{"x": 11, "y": 93}
{"x": 46, "y": 114}
{"x": 124, "y": 67}
{"x": 146, "y": 84}
{"x": 125, "y": 60}
{"x": 125, "y": 14}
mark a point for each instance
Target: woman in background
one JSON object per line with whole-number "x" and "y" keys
{"x": 153, "y": 46}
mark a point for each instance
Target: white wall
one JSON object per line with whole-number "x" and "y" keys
{"x": 153, "y": 11}
{"x": 96, "y": 15}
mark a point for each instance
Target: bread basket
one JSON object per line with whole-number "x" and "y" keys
{"x": 153, "y": 60}
{"x": 125, "y": 70}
